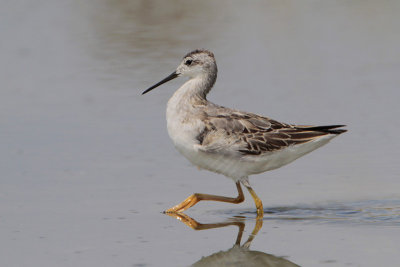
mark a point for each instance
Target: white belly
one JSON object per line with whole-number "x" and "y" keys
{"x": 238, "y": 167}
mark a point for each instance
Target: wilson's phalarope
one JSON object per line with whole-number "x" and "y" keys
{"x": 231, "y": 142}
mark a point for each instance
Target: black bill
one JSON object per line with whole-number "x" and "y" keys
{"x": 170, "y": 77}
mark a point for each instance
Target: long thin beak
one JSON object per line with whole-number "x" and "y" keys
{"x": 170, "y": 77}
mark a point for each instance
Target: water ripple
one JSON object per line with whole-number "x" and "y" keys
{"x": 382, "y": 212}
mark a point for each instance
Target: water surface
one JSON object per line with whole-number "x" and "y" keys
{"x": 87, "y": 166}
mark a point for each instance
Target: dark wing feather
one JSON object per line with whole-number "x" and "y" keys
{"x": 254, "y": 134}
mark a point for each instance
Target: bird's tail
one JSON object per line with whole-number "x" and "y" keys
{"x": 331, "y": 129}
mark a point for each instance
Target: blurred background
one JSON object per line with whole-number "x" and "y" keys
{"x": 86, "y": 164}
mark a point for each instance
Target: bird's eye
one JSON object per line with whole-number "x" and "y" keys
{"x": 188, "y": 62}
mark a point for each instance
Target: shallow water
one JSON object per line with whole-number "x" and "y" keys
{"x": 370, "y": 212}
{"x": 87, "y": 166}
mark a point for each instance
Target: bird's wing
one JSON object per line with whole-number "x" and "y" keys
{"x": 250, "y": 134}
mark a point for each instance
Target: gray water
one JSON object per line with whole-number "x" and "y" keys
{"x": 87, "y": 166}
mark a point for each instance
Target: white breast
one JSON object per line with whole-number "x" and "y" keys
{"x": 182, "y": 123}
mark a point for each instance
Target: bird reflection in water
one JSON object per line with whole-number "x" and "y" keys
{"x": 238, "y": 255}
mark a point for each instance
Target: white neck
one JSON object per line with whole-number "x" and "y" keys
{"x": 180, "y": 112}
{"x": 192, "y": 91}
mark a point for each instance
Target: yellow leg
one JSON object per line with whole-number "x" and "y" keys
{"x": 193, "y": 199}
{"x": 259, "y": 205}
